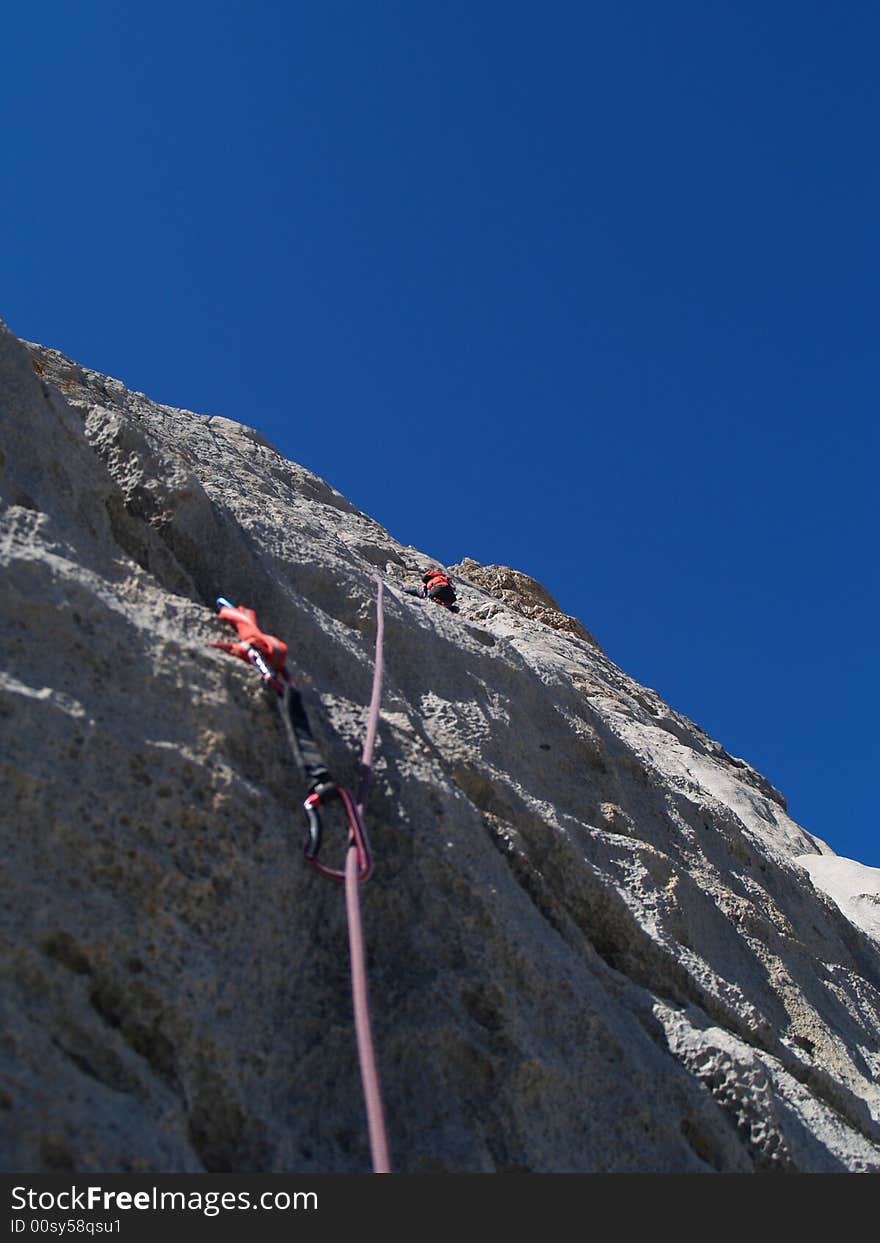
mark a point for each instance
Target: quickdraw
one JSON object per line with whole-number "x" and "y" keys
{"x": 268, "y": 654}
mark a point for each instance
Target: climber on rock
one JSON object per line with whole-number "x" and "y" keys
{"x": 436, "y": 586}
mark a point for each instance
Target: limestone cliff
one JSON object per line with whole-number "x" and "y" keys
{"x": 594, "y": 940}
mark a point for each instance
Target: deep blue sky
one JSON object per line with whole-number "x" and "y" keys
{"x": 586, "y": 288}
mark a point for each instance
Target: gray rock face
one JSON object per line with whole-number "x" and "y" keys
{"x": 594, "y": 941}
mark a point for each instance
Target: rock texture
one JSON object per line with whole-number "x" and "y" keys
{"x": 596, "y": 940}
{"x": 521, "y": 593}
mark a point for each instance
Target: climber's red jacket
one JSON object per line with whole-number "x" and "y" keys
{"x": 434, "y": 578}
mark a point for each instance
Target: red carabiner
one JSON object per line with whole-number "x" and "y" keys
{"x": 251, "y": 638}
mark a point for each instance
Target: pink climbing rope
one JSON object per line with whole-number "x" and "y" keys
{"x": 363, "y": 1031}
{"x": 353, "y": 871}
{"x": 373, "y": 718}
